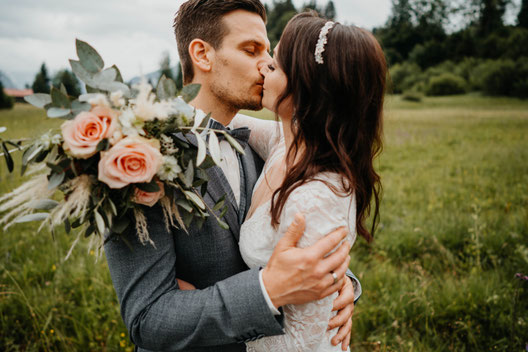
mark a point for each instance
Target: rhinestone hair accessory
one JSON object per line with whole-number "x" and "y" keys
{"x": 323, "y": 39}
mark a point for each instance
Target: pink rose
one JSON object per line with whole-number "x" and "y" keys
{"x": 132, "y": 160}
{"x": 148, "y": 198}
{"x": 86, "y": 130}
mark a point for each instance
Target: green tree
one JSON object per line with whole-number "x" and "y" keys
{"x": 69, "y": 80}
{"x": 165, "y": 66}
{"x": 6, "y": 102}
{"x": 522, "y": 17}
{"x": 330, "y": 11}
{"x": 278, "y": 16}
{"x": 312, "y": 5}
{"x": 41, "y": 84}
{"x": 179, "y": 78}
{"x": 491, "y": 13}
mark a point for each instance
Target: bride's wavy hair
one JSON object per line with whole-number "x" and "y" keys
{"x": 338, "y": 108}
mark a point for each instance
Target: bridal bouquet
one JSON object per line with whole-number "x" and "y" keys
{"x": 120, "y": 148}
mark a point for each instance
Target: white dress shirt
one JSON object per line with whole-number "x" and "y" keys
{"x": 230, "y": 166}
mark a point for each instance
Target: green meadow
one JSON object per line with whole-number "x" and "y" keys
{"x": 439, "y": 276}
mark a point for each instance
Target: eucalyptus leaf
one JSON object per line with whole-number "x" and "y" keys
{"x": 118, "y": 78}
{"x": 89, "y": 57}
{"x": 201, "y": 149}
{"x": 56, "y": 180}
{"x": 182, "y": 203}
{"x": 82, "y": 74}
{"x": 234, "y": 143}
{"x": 67, "y": 226}
{"x": 63, "y": 89}
{"x": 100, "y": 222}
{"x": 106, "y": 76}
{"x": 166, "y": 88}
{"x": 190, "y": 91}
{"x": 34, "y": 152}
{"x": 222, "y": 224}
{"x": 78, "y": 107}
{"x": 59, "y": 99}
{"x": 43, "y": 204}
{"x": 8, "y": 159}
{"x": 189, "y": 174}
{"x": 32, "y": 217}
{"x": 195, "y": 199}
{"x": 58, "y": 112}
{"x": 39, "y": 100}
{"x": 214, "y": 147}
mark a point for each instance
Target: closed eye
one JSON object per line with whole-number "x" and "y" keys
{"x": 271, "y": 67}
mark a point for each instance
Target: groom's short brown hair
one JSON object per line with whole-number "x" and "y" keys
{"x": 202, "y": 19}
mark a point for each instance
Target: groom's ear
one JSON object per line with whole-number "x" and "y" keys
{"x": 201, "y": 54}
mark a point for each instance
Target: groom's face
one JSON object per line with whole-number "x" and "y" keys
{"x": 236, "y": 78}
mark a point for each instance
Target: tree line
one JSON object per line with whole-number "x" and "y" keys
{"x": 433, "y": 47}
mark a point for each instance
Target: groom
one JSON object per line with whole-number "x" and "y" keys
{"x": 222, "y": 45}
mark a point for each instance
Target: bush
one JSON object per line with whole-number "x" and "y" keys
{"x": 412, "y": 95}
{"x": 446, "y": 84}
{"x": 404, "y": 76}
{"x": 6, "y": 102}
{"x": 506, "y": 77}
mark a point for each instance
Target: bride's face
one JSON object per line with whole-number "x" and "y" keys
{"x": 275, "y": 81}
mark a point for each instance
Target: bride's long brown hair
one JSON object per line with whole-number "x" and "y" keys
{"x": 337, "y": 111}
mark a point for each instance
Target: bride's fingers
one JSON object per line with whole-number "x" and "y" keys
{"x": 346, "y": 341}
{"x": 342, "y": 333}
{"x": 341, "y": 317}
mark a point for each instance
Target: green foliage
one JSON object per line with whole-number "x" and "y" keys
{"x": 445, "y": 84}
{"x": 404, "y": 76}
{"x": 506, "y": 77}
{"x": 428, "y": 54}
{"x": 413, "y": 96}
{"x": 165, "y": 67}
{"x": 70, "y": 82}
{"x": 41, "y": 84}
{"x": 330, "y": 11}
{"x": 278, "y": 16}
{"x": 522, "y": 17}
{"x": 6, "y": 102}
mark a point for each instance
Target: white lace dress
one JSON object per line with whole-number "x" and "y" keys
{"x": 305, "y": 325}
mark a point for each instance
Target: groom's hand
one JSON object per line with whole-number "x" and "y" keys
{"x": 296, "y": 276}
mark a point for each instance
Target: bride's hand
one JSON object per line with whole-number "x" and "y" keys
{"x": 184, "y": 285}
{"x": 344, "y": 304}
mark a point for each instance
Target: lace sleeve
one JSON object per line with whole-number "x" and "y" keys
{"x": 265, "y": 134}
{"x": 305, "y": 325}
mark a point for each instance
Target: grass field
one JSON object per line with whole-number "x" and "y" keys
{"x": 438, "y": 277}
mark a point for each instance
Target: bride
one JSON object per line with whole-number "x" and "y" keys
{"x": 326, "y": 83}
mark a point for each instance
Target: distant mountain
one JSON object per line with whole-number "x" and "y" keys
{"x": 153, "y": 77}
{"x": 7, "y": 82}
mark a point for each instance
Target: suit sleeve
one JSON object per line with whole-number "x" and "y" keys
{"x": 160, "y": 316}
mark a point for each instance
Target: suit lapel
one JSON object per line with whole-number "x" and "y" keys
{"x": 217, "y": 187}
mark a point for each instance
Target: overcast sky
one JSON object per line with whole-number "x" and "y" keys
{"x": 132, "y": 34}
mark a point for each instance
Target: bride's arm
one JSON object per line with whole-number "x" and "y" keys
{"x": 265, "y": 134}
{"x": 306, "y": 324}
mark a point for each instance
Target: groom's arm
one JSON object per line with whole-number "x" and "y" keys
{"x": 160, "y": 316}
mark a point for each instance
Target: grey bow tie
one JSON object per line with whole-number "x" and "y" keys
{"x": 241, "y": 135}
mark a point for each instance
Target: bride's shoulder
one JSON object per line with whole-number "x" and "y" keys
{"x": 328, "y": 187}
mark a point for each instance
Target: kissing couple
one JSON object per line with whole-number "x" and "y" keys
{"x": 277, "y": 278}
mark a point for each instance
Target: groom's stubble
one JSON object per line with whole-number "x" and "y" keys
{"x": 246, "y": 97}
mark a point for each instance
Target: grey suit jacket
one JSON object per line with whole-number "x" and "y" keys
{"x": 228, "y": 307}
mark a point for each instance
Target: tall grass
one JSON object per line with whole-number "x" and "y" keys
{"x": 438, "y": 277}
